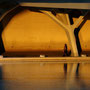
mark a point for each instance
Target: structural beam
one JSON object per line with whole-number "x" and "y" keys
{"x": 69, "y": 31}
{"x": 77, "y": 22}
{"x": 1, "y": 18}
{"x": 56, "y": 19}
{"x": 57, "y": 5}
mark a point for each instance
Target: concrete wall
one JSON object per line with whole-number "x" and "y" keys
{"x": 33, "y": 31}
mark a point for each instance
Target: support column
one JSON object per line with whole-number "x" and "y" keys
{"x": 69, "y": 31}
{"x": 71, "y": 38}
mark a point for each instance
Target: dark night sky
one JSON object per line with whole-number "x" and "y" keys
{"x": 51, "y": 1}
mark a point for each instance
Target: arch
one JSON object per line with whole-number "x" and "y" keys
{"x": 32, "y": 27}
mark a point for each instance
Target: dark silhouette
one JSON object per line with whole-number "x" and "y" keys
{"x": 2, "y": 50}
{"x": 66, "y": 53}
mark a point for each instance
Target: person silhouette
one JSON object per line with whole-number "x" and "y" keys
{"x": 65, "y": 50}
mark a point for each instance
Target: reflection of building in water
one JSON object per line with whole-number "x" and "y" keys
{"x": 51, "y": 74}
{"x": 84, "y": 74}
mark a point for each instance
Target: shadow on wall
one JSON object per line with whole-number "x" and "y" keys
{"x": 2, "y": 50}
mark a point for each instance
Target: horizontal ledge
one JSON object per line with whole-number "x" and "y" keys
{"x": 46, "y": 59}
{"x": 58, "y": 5}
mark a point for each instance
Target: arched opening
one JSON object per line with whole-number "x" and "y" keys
{"x": 32, "y": 33}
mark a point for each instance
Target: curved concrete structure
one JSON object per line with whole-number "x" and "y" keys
{"x": 33, "y": 31}
{"x": 68, "y": 28}
{"x": 70, "y": 4}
